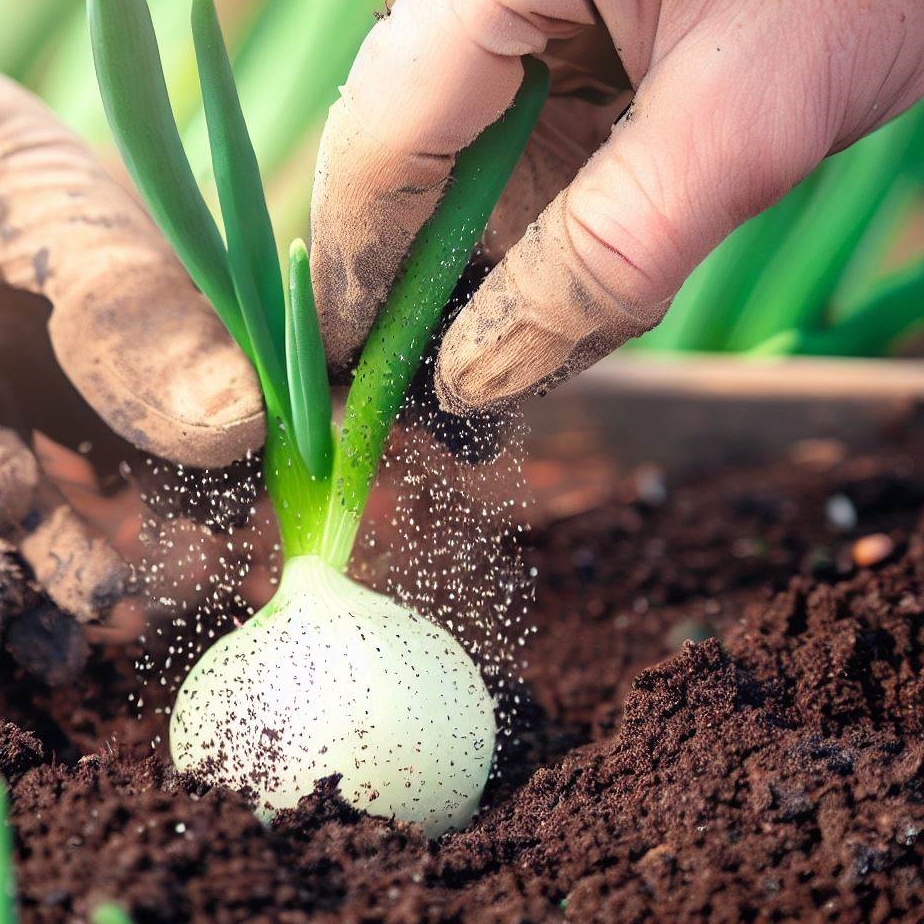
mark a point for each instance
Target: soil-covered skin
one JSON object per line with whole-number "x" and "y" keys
{"x": 726, "y": 724}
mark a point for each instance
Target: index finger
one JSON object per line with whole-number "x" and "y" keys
{"x": 427, "y": 80}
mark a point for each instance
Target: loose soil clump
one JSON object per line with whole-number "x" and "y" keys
{"x": 726, "y": 724}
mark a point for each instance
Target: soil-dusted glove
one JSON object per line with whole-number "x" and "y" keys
{"x": 133, "y": 336}
{"x": 128, "y": 328}
{"x": 734, "y": 102}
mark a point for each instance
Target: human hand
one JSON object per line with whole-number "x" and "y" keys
{"x": 129, "y": 331}
{"x": 732, "y": 103}
{"x": 128, "y": 328}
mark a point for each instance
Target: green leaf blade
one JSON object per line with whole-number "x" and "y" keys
{"x": 400, "y": 335}
{"x": 134, "y": 94}
{"x": 303, "y": 50}
{"x": 306, "y": 365}
{"x": 889, "y": 312}
{"x": 251, "y": 244}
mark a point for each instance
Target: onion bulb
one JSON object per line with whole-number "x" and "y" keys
{"x": 331, "y": 677}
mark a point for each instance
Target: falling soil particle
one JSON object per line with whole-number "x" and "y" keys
{"x": 771, "y": 771}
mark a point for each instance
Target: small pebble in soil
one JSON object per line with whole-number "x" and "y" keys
{"x": 819, "y": 454}
{"x": 871, "y": 550}
{"x": 650, "y": 485}
{"x": 840, "y": 512}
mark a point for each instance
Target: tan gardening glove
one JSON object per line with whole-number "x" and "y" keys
{"x": 130, "y": 332}
{"x": 733, "y": 102}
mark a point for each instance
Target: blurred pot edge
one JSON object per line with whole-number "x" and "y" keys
{"x": 687, "y": 413}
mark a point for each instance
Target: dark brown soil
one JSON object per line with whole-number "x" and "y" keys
{"x": 768, "y": 767}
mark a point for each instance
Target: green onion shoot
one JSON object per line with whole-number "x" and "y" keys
{"x": 329, "y": 677}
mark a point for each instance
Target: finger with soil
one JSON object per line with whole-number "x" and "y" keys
{"x": 81, "y": 572}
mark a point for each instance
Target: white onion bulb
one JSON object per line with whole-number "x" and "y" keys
{"x": 331, "y": 677}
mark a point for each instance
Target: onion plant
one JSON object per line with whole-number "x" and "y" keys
{"x": 329, "y": 677}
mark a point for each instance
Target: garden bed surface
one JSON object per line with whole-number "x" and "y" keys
{"x": 726, "y": 724}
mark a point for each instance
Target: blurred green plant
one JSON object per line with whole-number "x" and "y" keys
{"x": 30, "y": 33}
{"x": 811, "y": 275}
{"x": 302, "y": 49}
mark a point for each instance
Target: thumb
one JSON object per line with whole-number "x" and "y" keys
{"x": 603, "y": 261}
